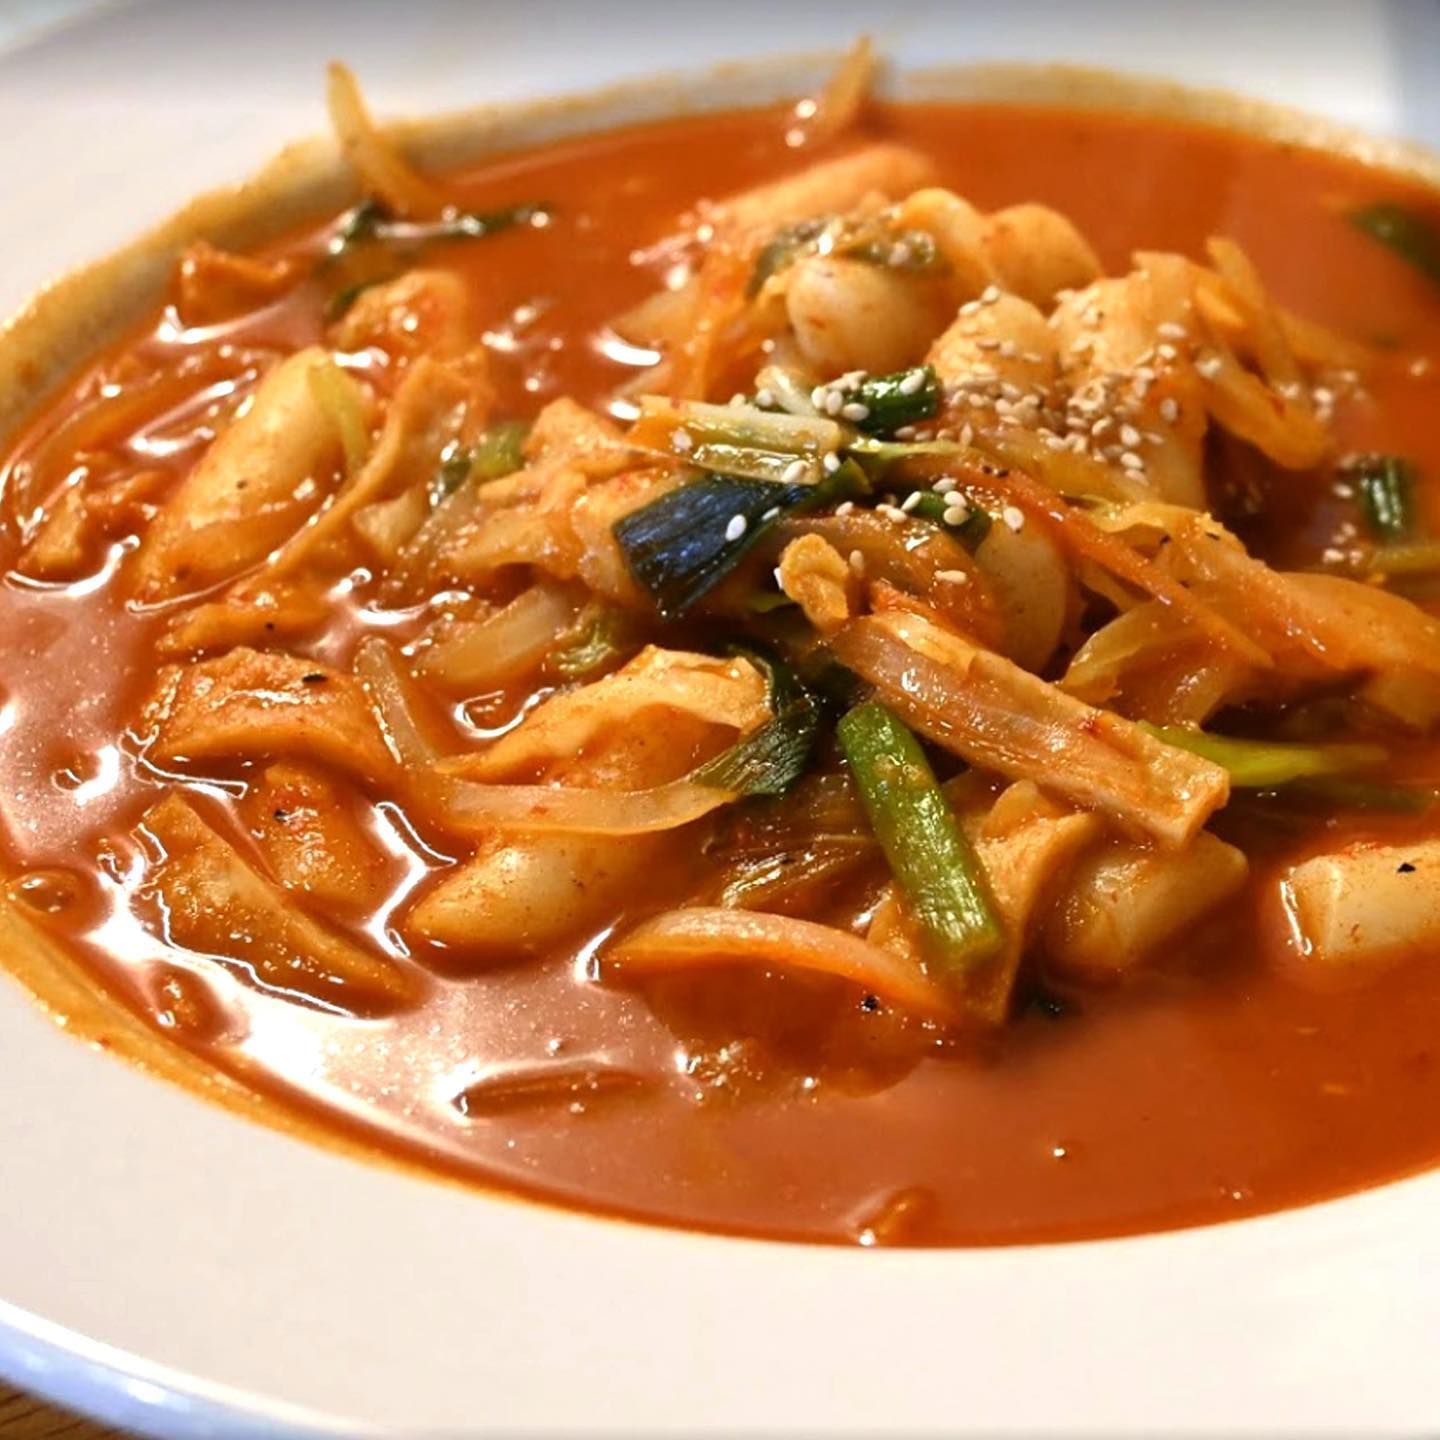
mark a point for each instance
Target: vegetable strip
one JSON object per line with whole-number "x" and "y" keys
{"x": 930, "y": 857}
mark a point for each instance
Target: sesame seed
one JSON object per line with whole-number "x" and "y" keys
{"x": 912, "y": 383}
{"x": 1322, "y": 396}
{"x": 855, "y": 411}
{"x": 1009, "y": 349}
{"x": 738, "y": 398}
{"x": 779, "y": 578}
{"x": 1210, "y": 366}
{"x": 857, "y": 562}
{"x": 990, "y": 294}
{"x": 901, "y": 253}
{"x": 852, "y": 379}
{"x": 1171, "y": 331}
{"x": 987, "y": 344}
{"x": 967, "y": 435}
{"x": 970, "y": 307}
{"x": 1170, "y": 409}
{"x": 820, "y": 397}
{"x": 736, "y": 528}
{"x": 830, "y": 463}
{"x": 795, "y": 471}
{"x": 771, "y": 513}
{"x": 1343, "y": 491}
{"x": 845, "y": 507}
{"x": 1167, "y": 352}
{"x": 1014, "y": 518}
{"x": 944, "y": 485}
{"x": 1129, "y": 436}
{"x": 956, "y": 514}
{"x": 911, "y": 501}
{"x": 765, "y": 398}
{"x": 1033, "y": 357}
{"x": 890, "y": 512}
{"x": 1129, "y": 460}
{"x": 905, "y": 432}
{"x": 834, "y": 402}
{"x": 955, "y": 577}
{"x": 1055, "y": 442}
{"x": 681, "y": 440}
{"x": 978, "y": 402}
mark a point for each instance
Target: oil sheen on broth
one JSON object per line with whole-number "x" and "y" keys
{"x": 1208, "y": 1084}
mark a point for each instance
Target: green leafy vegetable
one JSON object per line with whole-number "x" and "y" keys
{"x": 370, "y": 222}
{"x": 907, "y": 250}
{"x": 1386, "y": 486}
{"x": 500, "y": 451}
{"x": 940, "y": 875}
{"x": 1421, "y": 557}
{"x": 772, "y": 759}
{"x": 902, "y": 398}
{"x": 1410, "y": 236}
{"x": 783, "y": 251}
{"x": 1265, "y": 764}
{"x": 602, "y": 635}
{"x": 680, "y": 546}
{"x": 970, "y": 532}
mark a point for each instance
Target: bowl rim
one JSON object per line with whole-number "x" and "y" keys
{"x": 102, "y": 1349}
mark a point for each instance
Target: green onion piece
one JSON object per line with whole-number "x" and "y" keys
{"x": 682, "y": 545}
{"x": 782, "y": 251}
{"x": 1421, "y": 557}
{"x": 1412, "y": 237}
{"x": 454, "y": 471}
{"x": 1264, "y": 764}
{"x": 970, "y": 532}
{"x": 899, "y": 399}
{"x": 341, "y": 301}
{"x": 745, "y": 427}
{"x": 336, "y": 395}
{"x": 370, "y": 221}
{"x": 932, "y": 862}
{"x": 602, "y": 635}
{"x": 771, "y": 759}
{"x": 908, "y": 250}
{"x": 1386, "y": 487}
{"x": 360, "y": 224}
{"x": 500, "y": 451}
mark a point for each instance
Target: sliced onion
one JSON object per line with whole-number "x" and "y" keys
{"x": 383, "y": 171}
{"x": 516, "y": 639}
{"x": 473, "y": 808}
{"x": 379, "y": 671}
{"x": 714, "y": 935}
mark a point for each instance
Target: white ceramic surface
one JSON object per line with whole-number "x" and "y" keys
{"x": 169, "y": 1267}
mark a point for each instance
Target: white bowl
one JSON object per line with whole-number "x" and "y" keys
{"x": 169, "y": 1266}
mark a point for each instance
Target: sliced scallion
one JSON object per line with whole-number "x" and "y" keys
{"x": 680, "y": 546}
{"x": 1386, "y": 488}
{"x": 893, "y": 401}
{"x": 1412, "y": 237}
{"x": 1265, "y": 764}
{"x": 500, "y": 450}
{"x": 937, "y": 871}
